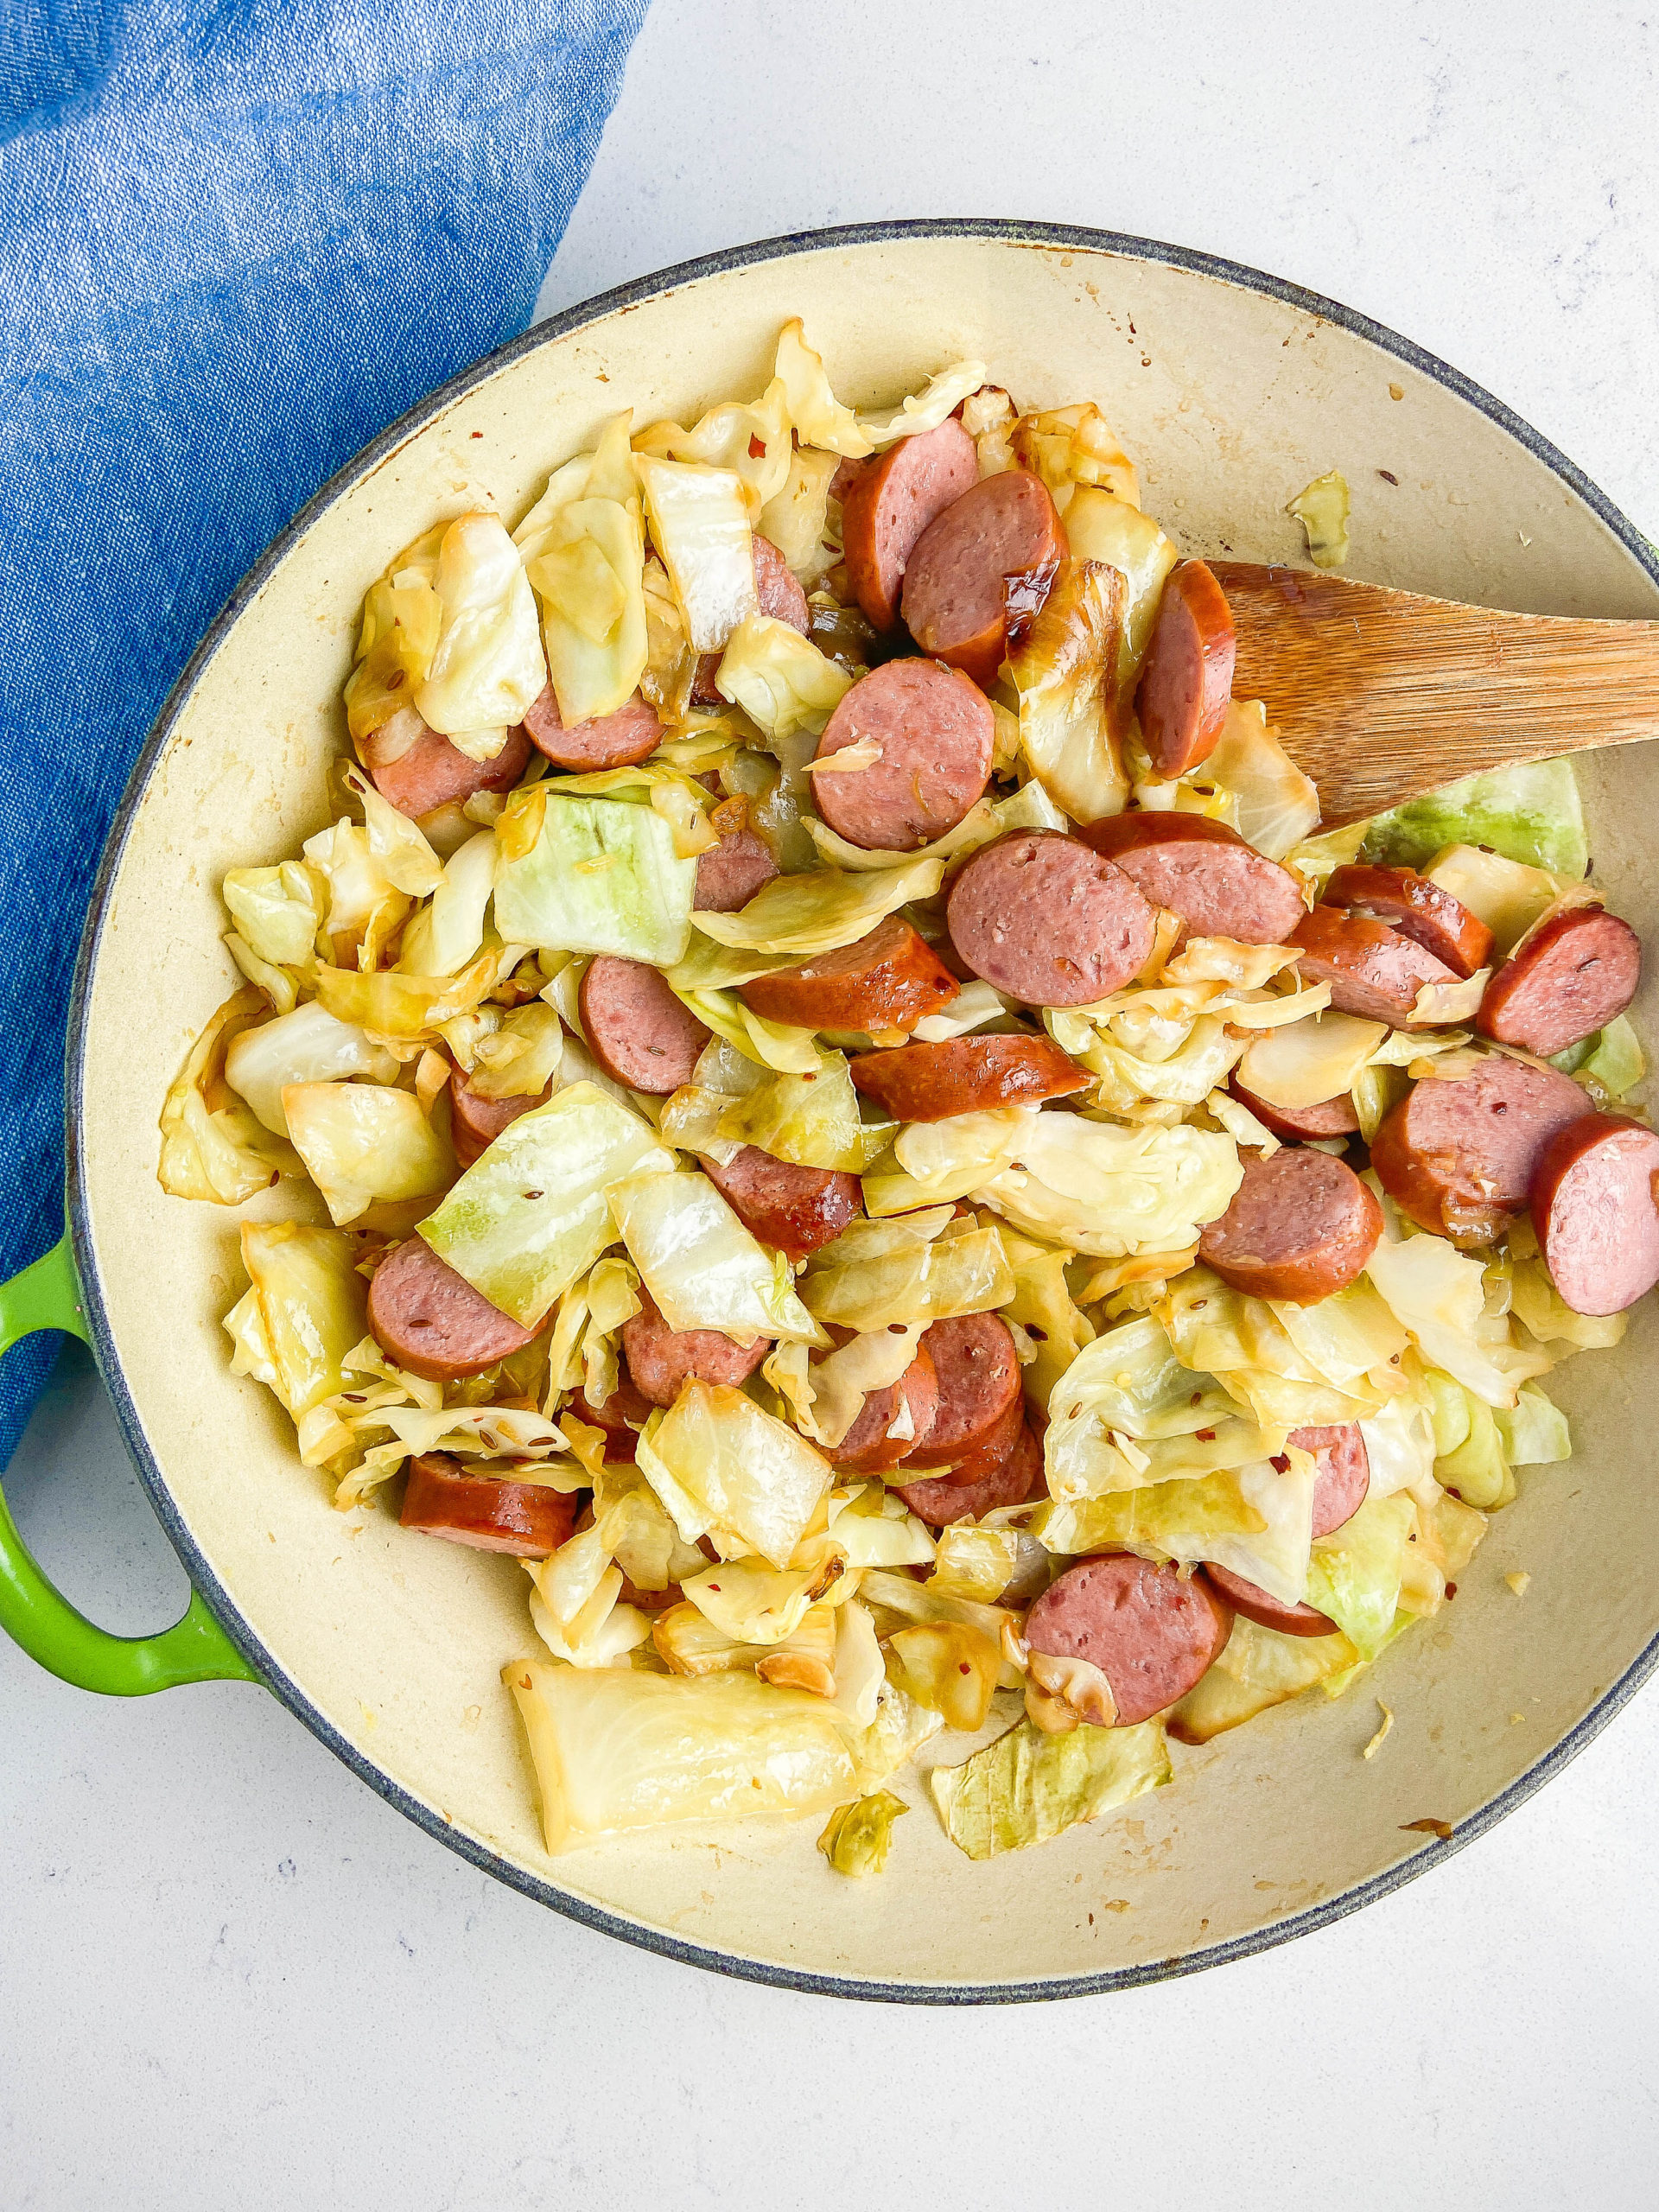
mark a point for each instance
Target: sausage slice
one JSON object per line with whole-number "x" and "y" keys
{"x": 1571, "y": 975}
{"x": 443, "y": 1498}
{"x": 868, "y": 1445}
{"x": 1151, "y": 1632}
{"x": 1041, "y": 917}
{"x": 1342, "y": 1475}
{"x": 1011, "y": 1477}
{"x": 978, "y": 1374}
{"x": 1332, "y": 1117}
{"x": 795, "y": 1209}
{"x": 1373, "y": 971}
{"x": 730, "y": 872}
{"x": 661, "y": 1360}
{"x": 887, "y": 504}
{"x": 1202, "y": 871}
{"x": 418, "y": 770}
{"x": 1262, "y": 1606}
{"x": 935, "y": 729}
{"x": 1187, "y": 681}
{"x": 430, "y": 1319}
{"x": 475, "y": 1121}
{"x": 954, "y": 600}
{"x": 888, "y": 980}
{"x": 1301, "y": 1226}
{"x": 615, "y": 741}
{"x": 622, "y": 1415}
{"x": 967, "y": 1074}
{"x": 1459, "y": 1153}
{"x": 1595, "y": 1205}
{"x": 1416, "y": 907}
{"x": 637, "y": 1031}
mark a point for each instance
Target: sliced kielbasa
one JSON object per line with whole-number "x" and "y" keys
{"x": 1301, "y": 1226}
{"x": 935, "y": 729}
{"x": 1595, "y": 1205}
{"x": 1041, "y": 917}
{"x": 887, "y": 503}
{"x": 1202, "y": 871}
{"x": 1418, "y": 908}
{"x": 417, "y": 770}
{"x": 621, "y": 1416}
{"x": 889, "y": 980}
{"x": 730, "y": 872}
{"x": 998, "y": 1476}
{"x": 967, "y": 1074}
{"x": 1343, "y": 1471}
{"x": 661, "y": 1360}
{"x": 955, "y": 600}
{"x": 1459, "y": 1153}
{"x": 1262, "y": 1606}
{"x": 430, "y": 1320}
{"x": 637, "y": 1031}
{"x": 978, "y": 1373}
{"x": 795, "y": 1209}
{"x": 1187, "y": 681}
{"x": 1151, "y": 1630}
{"x": 1373, "y": 971}
{"x": 1330, "y": 1117}
{"x": 476, "y": 1121}
{"x": 869, "y": 1444}
{"x": 443, "y": 1499}
{"x": 1574, "y": 973}
{"x": 615, "y": 741}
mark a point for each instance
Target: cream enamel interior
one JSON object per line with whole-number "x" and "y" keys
{"x": 1230, "y": 400}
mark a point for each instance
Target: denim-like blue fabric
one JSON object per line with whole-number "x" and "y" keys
{"x": 237, "y": 237}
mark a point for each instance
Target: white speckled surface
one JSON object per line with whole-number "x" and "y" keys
{"x": 230, "y": 1976}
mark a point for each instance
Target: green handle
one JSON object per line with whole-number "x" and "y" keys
{"x": 195, "y": 1650}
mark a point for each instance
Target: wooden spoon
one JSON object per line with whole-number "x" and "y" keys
{"x": 1379, "y": 696}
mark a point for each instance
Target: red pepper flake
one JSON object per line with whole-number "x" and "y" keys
{"x": 963, "y": 1668}
{"x": 1204, "y": 1435}
{"x": 1451, "y": 1589}
{"x": 1280, "y": 1462}
{"x": 1442, "y": 1828}
{"x": 757, "y": 448}
{"x": 715, "y": 1586}
{"x": 1388, "y": 476}
{"x": 535, "y": 1194}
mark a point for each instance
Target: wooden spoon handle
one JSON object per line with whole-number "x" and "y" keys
{"x": 1380, "y": 695}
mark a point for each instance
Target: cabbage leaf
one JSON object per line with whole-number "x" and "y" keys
{"x": 1027, "y": 1787}
{"x": 703, "y": 1266}
{"x": 364, "y": 1143}
{"x": 603, "y": 875}
{"x": 1530, "y": 813}
{"x": 303, "y": 1313}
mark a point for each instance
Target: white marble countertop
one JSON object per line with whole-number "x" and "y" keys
{"x": 230, "y": 1977}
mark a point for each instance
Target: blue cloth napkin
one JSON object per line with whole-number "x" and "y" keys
{"x": 237, "y": 237}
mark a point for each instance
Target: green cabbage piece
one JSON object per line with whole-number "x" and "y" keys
{"x": 531, "y": 1214}
{"x": 363, "y": 1142}
{"x": 807, "y": 914}
{"x": 1027, "y": 1787}
{"x": 703, "y": 1266}
{"x": 859, "y": 1836}
{"x": 1534, "y": 1432}
{"x": 1530, "y": 813}
{"x": 603, "y": 876}
{"x": 1353, "y": 1576}
{"x": 1614, "y": 1062}
{"x": 811, "y": 1120}
{"x": 726, "y": 1470}
{"x": 304, "y": 1312}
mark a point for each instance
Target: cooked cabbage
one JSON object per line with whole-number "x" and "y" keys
{"x": 1306, "y": 1062}
{"x": 858, "y": 1837}
{"x": 449, "y": 931}
{"x": 1354, "y": 1574}
{"x": 584, "y": 552}
{"x": 811, "y": 1119}
{"x": 1029, "y": 1786}
{"x": 1100, "y": 527}
{"x": 520, "y": 1058}
{"x": 796, "y": 519}
{"x": 388, "y": 1004}
{"x": 949, "y": 1668}
{"x": 402, "y": 617}
{"x": 1439, "y": 1296}
{"x": 881, "y": 1275}
{"x": 362, "y": 1143}
{"x": 1321, "y": 507}
{"x": 1618, "y": 1063}
{"x": 278, "y": 911}
{"x": 988, "y": 819}
{"x": 1257, "y": 1667}
{"x": 817, "y": 415}
{"x": 728, "y": 1470}
{"x": 364, "y": 904}
{"x": 699, "y": 524}
{"x": 1066, "y": 670}
{"x": 971, "y": 1562}
{"x": 220, "y": 1151}
{"x": 1095, "y": 1186}
{"x": 749, "y": 440}
{"x": 703, "y": 1266}
{"x": 1273, "y": 805}
{"x": 753, "y": 1604}
{"x": 530, "y": 1216}
{"x": 922, "y": 411}
{"x": 308, "y": 1045}
{"x": 486, "y": 667}
{"x": 807, "y": 914}
{"x": 602, "y": 876}
{"x": 1529, "y": 812}
{"x": 1073, "y": 447}
{"x": 301, "y": 1314}
{"x": 780, "y": 678}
